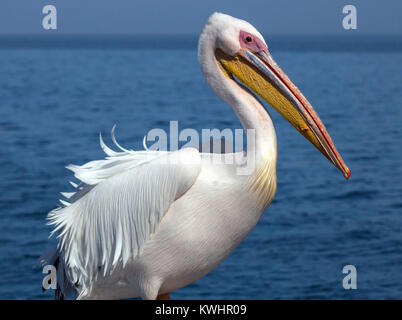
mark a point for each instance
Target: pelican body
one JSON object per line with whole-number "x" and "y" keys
{"x": 146, "y": 223}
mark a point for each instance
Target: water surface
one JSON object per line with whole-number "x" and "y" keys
{"x": 55, "y": 99}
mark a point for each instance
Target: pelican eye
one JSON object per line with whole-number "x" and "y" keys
{"x": 249, "y": 39}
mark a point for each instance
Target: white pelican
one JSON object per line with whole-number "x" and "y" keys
{"x": 146, "y": 223}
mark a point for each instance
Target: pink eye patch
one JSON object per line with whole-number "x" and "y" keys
{"x": 251, "y": 42}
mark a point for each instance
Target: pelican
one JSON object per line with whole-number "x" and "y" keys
{"x": 146, "y": 223}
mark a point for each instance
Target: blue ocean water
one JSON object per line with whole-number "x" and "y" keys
{"x": 56, "y": 96}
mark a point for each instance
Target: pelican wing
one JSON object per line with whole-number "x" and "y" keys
{"x": 120, "y": 202}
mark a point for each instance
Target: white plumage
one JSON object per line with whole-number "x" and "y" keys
{"x": 141, "y": 225}
{"x": 111, "y": 222}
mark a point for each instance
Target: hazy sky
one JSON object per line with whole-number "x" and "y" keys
{"x": 188, "y": 16}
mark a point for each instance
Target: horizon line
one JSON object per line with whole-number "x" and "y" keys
{"x": 56, "y": 33}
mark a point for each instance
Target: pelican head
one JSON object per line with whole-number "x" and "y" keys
{"x": 242, "y": 55}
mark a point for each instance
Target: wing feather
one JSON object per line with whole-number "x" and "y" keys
{"x": 118, "y": 206}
